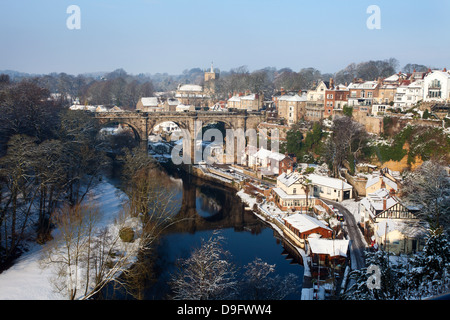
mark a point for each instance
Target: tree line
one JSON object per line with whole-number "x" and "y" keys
{"x": 124, "y": 90}
{"x": 49, "y": 156}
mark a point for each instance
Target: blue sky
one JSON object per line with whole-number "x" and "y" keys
{"x": 150, "y": 36}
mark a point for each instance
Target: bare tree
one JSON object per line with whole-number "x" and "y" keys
{"x": 260, "y": 283}
{"x": 17, "y": 194}
{"x": 428, "y": 187}
{"x": 348, "y": 139}
{"x": 71, "y": 248}
{"x": 84, "y": 255}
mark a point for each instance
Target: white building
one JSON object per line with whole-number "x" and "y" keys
{"x": 330, "y": 188}
{"x": 167, "y": 127}
{"x": 250, "y": 102}
{"x": 437, "y": 86}
{"x": 149, "y": 104}
{"x": 267, "y": 161}
{"x": 408, "y": 96}
{"x": 290, "y": 192}
{"x": 317, "y": 94}
{"x": 362, "y": 94}
{"x": 394, "y": 225}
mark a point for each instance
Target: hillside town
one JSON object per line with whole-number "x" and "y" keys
{"x": 216, "y": 157}
{"x": 341, "y": 172}
{"x": 331, "y": 216}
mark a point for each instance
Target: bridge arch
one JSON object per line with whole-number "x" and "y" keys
{"x": 138, "y": 134}
{"x": 143, "y": 123}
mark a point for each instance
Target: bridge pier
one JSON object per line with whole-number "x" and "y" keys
{"x": 143, "y": 122}
{"x": 143, "y": 145}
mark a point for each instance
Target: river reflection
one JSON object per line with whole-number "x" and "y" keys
{"x": 203, "y": 208}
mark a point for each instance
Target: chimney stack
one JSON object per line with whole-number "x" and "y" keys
{"x": 384, "y": 204}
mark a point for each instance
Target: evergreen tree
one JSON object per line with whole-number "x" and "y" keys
{"x": 429, "y": 272}
{"x": 385, "y": 286}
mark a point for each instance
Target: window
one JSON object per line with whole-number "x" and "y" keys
{"x": 294, "y": 191}
{"x": 435, "y": 84}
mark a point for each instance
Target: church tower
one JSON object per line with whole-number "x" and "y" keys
{"x": 211, "y": 75}
{"x": 210, "y": 83}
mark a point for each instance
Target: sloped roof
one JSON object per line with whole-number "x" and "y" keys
{"x": 331, "y": 247}
{"x": 295, "y": 97}
{"x": 190, "y": 87}
{"x": 303, "y": 222}
{"x": 264, "y": 153}
{"x": 329, "y": 182}
{"x": 235, "y": 98}
{"x": 289, "y": 179}
{"x": 149, "y": 101}
{"x": 375, "y": 178}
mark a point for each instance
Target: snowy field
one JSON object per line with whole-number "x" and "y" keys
{"x": 26, "y": 280}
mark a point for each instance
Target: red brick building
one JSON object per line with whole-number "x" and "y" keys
{"x": 335, "y": 98}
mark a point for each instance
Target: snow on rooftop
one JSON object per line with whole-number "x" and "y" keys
{"x": 283, "y": 195}
{"x": 304, "y": 223}
{"x": 235, "y": 99}
{"x": 149, "y": 101}
{"x": 289, "y": 178}
{"x": 373, "y": 179}
{"x": 264, "y": 154}
{"x": 83, "y": 107}
{"x": 190, "y": 87}
{"x": 294, "y": 98}
{"x": 376, "y": 200}
{"x": 329, "y": 182}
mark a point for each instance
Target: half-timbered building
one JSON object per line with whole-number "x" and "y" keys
{"x": 390, "y": 223}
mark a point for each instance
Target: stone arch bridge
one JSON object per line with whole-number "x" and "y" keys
{"x": 143, "y": 123}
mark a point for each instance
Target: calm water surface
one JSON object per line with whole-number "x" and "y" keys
{"x": 245, "y": 236}
{"x": 207, "y": 207}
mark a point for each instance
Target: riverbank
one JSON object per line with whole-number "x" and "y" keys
{"x": 28, "y": 279}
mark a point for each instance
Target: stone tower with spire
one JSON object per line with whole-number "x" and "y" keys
{"x": 210, "y": 77}
{"x": 211, "y": 74}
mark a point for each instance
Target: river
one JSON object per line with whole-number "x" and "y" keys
{"x": 207, "y": 207}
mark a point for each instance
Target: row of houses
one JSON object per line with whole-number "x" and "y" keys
{"x": 400, "y": 90}
{"x": 386, "y": 221}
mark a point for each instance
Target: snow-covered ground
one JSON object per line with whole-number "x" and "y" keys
{"x": 27, "y": 280}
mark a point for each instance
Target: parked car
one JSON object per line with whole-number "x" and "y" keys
{"x": 339, "y": 215}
